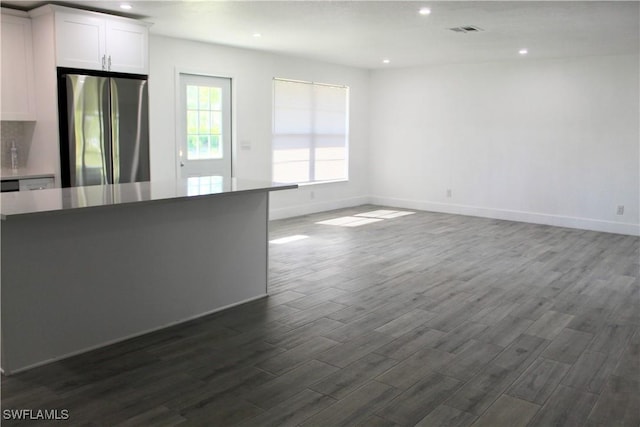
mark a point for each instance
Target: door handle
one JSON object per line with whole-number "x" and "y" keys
{"x": 104, "y": 59}
{"x": 109, "y": 62}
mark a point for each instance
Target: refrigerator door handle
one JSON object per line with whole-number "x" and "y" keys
{"x": 115, "y": 130}
{"x": 108, "y": 132}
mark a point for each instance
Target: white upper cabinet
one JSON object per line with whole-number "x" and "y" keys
{"x": 95, "y": 41}
{"x": 80, "y": 41}
{"x": 127, "y": 47}
{"x": 18, "y": 101}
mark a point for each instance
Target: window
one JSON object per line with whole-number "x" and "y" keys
{"x": 204, "y": 122}
{"x": 310, "y": 132}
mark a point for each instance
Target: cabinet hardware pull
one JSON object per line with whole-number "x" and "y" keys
{"x": 104, "y": 67}
{"x": 109, "y": 62}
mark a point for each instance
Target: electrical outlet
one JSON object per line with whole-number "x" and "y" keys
{"x": 448, "y": 192}
{"x": 620, "y": 210}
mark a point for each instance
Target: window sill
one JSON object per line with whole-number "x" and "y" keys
{"x": 305, "y": 184}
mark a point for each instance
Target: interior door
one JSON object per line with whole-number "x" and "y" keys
{"x": 204, "y": 144}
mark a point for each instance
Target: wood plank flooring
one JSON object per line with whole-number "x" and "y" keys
{"x": 426, "y": 319}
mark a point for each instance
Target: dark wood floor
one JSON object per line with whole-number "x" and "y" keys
{"x": 427, "y": 319}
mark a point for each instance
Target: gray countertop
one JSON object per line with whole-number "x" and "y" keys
{"x": 14, "y": 204}
{"x": 23, "y": 173}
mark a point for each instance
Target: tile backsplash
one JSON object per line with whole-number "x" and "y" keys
{"x": 21, "y": 133}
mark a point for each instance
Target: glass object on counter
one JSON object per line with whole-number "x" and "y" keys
{"x": 14, "y": 156}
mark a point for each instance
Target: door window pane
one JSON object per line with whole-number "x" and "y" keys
{"x": 215, "y": 145}
{"x": 192, "y": 146}
{"x": 204, "y": 122}
{"x": 192, "y": 122}
{"x": 216, "y": 122}
{"x": 192, "y": 97}
{"x": 204, "y": 145}
{"x": 204, "y": 98}
{"x": 215, "y": 94}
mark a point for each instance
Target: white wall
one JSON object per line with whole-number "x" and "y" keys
{"x": 44, "y": 154}
{"x": 545, "y": 141}
{"x": 252, "y": 73}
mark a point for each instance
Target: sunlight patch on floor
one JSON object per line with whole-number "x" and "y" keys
{"x": 384, "y": 214}
{"x": 364, "y": 218}
{"x": 288, "y": 239}
{"x": 349, "y": 221}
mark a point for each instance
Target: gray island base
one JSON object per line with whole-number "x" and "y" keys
{"x": 88, "y": 266}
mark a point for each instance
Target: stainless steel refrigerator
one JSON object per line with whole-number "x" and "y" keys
{"x": 104, "y": 129}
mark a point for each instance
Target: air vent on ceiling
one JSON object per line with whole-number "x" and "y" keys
{"x": 466, "y": 29}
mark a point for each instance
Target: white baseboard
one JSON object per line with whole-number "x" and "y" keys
{"x": 309, "y": 208}
{"x": 512, "y": 215}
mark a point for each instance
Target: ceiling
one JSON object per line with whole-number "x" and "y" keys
{"x": 363, "y": 33}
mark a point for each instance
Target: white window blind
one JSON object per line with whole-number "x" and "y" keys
{"x": 310, "y": 132}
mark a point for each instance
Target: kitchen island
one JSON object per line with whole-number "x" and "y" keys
{"x": 84, "y": 267}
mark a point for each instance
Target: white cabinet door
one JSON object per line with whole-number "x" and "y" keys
{"x": 93, "y": 41}
{"x": 17, "y": 86}
{"x": 127, "y": 46}
{"x": 80, "y": 41}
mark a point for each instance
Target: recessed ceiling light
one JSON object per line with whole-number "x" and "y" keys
{"x": 424, "y": 11}
{"x": 466, "y": 29}
{"x": 386, "y": 61}
{"x": 257, "y": 35}
{"x": 523, "y": 51}
{"x": 125, "y": 6}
